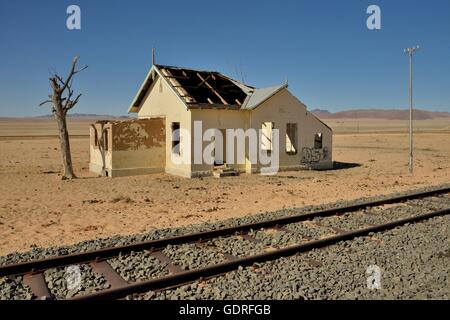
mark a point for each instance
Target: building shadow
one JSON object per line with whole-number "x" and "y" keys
{"x": 337, "y": 165}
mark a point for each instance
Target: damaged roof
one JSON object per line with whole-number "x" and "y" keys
{"x": 205, "y": 89}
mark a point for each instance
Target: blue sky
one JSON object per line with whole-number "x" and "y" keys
{"x": 323, "y": 48}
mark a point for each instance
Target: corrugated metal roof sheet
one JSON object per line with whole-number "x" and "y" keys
{"x": 260, "y": 95}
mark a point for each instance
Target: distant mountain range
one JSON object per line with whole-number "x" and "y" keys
{"x": 86, "y": 116}
{"x": 387, "y": 114}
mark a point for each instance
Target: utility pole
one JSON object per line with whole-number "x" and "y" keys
{"x": 410, "y": 52}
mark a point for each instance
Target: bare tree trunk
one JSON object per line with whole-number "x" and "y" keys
{"x": 65, "y": 147}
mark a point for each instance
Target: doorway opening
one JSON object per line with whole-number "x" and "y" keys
{"x": 220, "y": 148}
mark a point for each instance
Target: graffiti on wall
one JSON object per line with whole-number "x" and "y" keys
{"x": 311, "y": 155}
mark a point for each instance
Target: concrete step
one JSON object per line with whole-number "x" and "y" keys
{"x": 223, "y": 168}
{"x": 228, "y": 173}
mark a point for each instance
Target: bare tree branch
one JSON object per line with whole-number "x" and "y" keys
{"x": 46, "y": 101}
{"x": 59, "y": 78}
{"x": 85, "y": 67}
{"x": 54, "y": 84}
{"x": 71, "y": 104}
{"x": 72, "y": 73}
{"x": 67, "y": 99}
{"x": 76, "y": 100}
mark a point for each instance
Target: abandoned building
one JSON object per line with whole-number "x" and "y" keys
{"x": 172, "y": 99}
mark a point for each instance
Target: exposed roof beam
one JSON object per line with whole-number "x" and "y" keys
{"x": 178, "y": 87}
{"x": 213, "y": 106}
{"x": 177, "y": 77}
{"x": 212, "y": 89}
{"x": 203, "y": 81}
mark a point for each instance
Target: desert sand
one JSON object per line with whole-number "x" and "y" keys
{"x": 37, "y": 208}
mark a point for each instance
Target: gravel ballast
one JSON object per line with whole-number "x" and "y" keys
{"x": 277, "y": 239}
{"x": 59, "y": 283}
{"x": 236, "y": 246}
{"x": 413, "y": 260}
{"x": 12, "y": 288}
{"x": 138, "y": 266}
{"x": 191, "y": 256}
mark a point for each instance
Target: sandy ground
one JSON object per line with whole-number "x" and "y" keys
{"x": 355, "y": 126}
{"x": 37, "y": 208}
{"x": 41, "y": 127}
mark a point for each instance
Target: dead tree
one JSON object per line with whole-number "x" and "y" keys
{"x": 61, "y": 105}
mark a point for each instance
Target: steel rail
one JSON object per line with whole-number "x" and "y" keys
{"x": 186, "y": 277}
{"x": 110, "y": 252}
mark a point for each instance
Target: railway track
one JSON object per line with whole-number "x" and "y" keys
{"x": 265, "y": 241}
